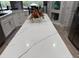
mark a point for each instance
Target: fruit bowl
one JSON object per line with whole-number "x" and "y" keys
{"x": 36, "y": 16}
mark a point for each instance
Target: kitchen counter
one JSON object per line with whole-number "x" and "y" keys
{"x": 37, "y": 40}
{"x": 8, "y": 12}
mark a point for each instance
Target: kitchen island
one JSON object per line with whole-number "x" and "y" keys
{"x": 37, "y": 40}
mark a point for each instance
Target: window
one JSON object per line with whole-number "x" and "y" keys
{"x": 4, "y": 4}
{"x": 27, "y": 3}
{"x": 56, "y": 5}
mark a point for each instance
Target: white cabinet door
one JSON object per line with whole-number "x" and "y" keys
{"x": 19, "y": 18}
{"x": 23, "y": 17}
{"x": 15, "y": 18}
{"x": 12, "y": 24}
{"x": 8, "y": 25}
{"x": 26, "y": 14}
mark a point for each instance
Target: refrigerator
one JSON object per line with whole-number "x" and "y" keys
{"x": 74, "y": 30}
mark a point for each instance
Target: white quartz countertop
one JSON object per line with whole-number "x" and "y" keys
{"x": 37, "y": 40}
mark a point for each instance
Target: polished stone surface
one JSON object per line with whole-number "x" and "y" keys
{"x": 37, "y": 40}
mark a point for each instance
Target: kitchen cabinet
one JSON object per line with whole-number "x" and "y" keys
{"x": 8, "y": 25}
{"x": 20, "y": 17}
{"x": 2, "y": 36}
{"x": 10, "y": 22}
{"x": 26, "y": 13}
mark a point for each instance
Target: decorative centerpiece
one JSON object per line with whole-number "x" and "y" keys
{"x": 36, "y": 16}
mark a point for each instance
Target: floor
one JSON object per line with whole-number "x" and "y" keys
{"x": 64, "y": 35}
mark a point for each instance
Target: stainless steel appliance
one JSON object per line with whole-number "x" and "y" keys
{"x": 74, "y": 30}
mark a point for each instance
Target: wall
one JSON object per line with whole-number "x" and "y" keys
{"x": 66, "y": 12}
